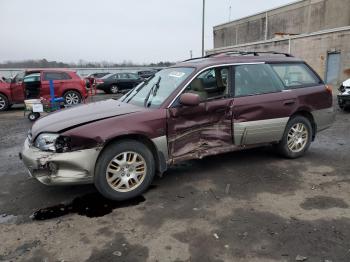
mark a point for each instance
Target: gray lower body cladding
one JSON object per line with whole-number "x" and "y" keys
{"x": 271, "y": 130}
{"x": 260, "y": 131}
{"x": 78, "y": 167}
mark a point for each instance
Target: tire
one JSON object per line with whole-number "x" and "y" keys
{"x": 114, "y": 89}
{"x": 72, "y": 97}
{"x": 4, "y": 103}
{"x": 33, "y": 116}
{"x": 114, "y": 185}
{"x": 298, "y": 128}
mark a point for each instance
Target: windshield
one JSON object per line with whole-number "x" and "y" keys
{"x": 153, "y": 92}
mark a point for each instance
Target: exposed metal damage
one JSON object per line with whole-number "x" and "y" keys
{"x": 52, "y": 168}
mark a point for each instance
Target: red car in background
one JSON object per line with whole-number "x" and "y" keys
{"x": 67, "y": 84}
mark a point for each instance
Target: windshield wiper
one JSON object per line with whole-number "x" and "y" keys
{"x": 136, "y": 90}
{"x": 152, "y": 91}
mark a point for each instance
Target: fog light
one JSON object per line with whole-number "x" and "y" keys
{"x": 53, "y": 167}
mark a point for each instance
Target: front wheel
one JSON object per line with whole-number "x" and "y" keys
{"x": 124, "y": 170}
{"x": 72, "y": 97}
{"x": 296, "y": 138}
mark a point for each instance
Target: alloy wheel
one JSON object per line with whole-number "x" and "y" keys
{"x": 126, "y": 171}
{"x": 297, "y": 137}
{"x": 72, "y": 98}
{"x": 114, "y": 89}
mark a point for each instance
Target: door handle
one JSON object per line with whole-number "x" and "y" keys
{"x": 289, "y": 102}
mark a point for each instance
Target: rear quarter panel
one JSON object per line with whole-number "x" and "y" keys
{"x": 313, "y": 98}
{"x": 319, "y": 102}
{"x": 76, "y": 83}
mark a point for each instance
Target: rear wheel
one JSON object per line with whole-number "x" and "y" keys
{"x": 72, "y": 97}
{"x": 124, "y": 170}
{"x": 4, "y": 103}
{"x": 297, "y": 137}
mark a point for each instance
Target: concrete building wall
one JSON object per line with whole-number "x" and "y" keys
{"x": 314, "y": 49}
{"x": 300, "y": 17}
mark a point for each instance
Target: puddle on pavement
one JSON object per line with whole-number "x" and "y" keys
{"x": 90, "y": 205}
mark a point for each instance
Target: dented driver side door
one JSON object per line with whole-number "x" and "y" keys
{"x": 198, "y": 131}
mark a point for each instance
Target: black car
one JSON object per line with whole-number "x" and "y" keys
{"x": 145, "y": 74}
{"x": 98, "y": 75}
{"x": 115, "y": 83}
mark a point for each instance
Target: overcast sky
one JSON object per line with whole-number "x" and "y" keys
{"x": 114, "y": 30}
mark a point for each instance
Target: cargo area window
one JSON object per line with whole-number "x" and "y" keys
{"x": 256, "y": 79}
{"x": 295, "y": 75}
{"x": 56, "y": 76}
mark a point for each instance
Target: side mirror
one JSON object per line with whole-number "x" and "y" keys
{"x": 190, "y": 99}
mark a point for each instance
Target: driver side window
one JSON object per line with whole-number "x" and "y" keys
{"x": 210, "y": 84}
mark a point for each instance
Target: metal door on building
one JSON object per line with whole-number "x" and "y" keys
{"x": 333, "y": 68}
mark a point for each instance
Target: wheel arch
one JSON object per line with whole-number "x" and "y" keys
{"x": 307, "y": 114}
{"x": 66, "y": 90}
{"x": 159, "y": 158}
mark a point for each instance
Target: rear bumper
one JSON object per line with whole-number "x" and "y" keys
{"x": 324, "y": 118}
{"x": 60, "y": 168}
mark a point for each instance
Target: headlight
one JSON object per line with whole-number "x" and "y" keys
{"x": 46, "y": 142}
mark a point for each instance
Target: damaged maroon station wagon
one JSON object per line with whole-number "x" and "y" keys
{"x": 200, "y": 107}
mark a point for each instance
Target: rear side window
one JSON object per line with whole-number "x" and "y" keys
{"x": 123, "y": 76}
{"x": 132, "y": 76}
{"x": 255, "y": 80}
{"x": 56, "y": 76}
{"x": 295, "y": 75}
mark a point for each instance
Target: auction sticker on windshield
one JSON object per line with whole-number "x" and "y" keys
{"x": 177, "y": 74}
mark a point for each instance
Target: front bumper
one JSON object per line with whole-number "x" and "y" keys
{"x": 60, "y": 168}
{"x": 344, "y": 100}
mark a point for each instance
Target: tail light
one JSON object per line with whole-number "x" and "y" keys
{"x": 329, "y": 89}
{"x": 99, "y": 81}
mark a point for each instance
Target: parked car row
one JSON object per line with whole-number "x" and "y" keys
{"x": 67, "y": 84}
{"x": 118, "y": 82}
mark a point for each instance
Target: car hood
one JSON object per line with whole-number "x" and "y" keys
{"x": 80, "y": 115}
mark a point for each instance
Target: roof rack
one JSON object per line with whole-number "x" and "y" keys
{"x": 254, "y": 53}
{"x": 237, "y": 52}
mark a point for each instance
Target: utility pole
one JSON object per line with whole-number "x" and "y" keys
{"x": 229, "y": 13}
{"x": 191, "y": 54}
{"x": 203, "y": 20}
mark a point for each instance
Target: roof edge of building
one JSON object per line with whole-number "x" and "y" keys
{"x": 259, "y": 13}
{"x": 326, "y": 31}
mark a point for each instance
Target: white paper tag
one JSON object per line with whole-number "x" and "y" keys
{"x": 177, "y": 74}
{"x": 38, "y": 108}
